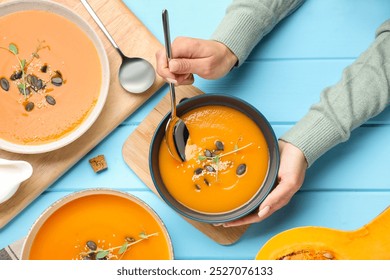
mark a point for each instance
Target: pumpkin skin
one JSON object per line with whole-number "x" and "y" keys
{"x": 370, "y": 242}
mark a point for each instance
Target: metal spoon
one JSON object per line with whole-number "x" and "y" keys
{"x": 176, "y": 132}
{"x": 136, "y": 74}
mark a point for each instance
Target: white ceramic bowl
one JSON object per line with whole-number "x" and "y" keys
{"x": 16, "y": 6}
{"x": 49, "y": 212}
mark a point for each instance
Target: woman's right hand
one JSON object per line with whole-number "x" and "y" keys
{"x": 207, "y": 58}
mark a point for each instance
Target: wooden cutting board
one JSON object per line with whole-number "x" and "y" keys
{"x": 136, "y": 153}
{"x": 48, "y": 167}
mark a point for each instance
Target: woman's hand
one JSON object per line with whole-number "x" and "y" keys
{"x": 291, "y": 175}
{"x": 207, "y": 58}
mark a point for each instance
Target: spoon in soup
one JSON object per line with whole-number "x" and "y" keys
{"x": 136, "y": 74}
{"x": 176, "y": 132}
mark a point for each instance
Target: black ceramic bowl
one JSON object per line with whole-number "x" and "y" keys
{"x": 264, "y": 189}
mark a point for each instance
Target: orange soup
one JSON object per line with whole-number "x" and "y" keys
{"x": 109, "y": 221}
{"x": 50, "y": 75}
{"x": 226, "y": 161}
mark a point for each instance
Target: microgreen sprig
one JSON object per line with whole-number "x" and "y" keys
{"x": 217, "y": 158}
{"x": 102, "y": 253}
{"x": 12, "y": 48}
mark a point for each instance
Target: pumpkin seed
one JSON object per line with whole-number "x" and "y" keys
{"x": 57, "y": 81}
{"x": 197, "y": 187}
{"x": 209, "y": 168}
{"x": 16, "y": 75}
{"x": 4, "y": 84}
{"x": 50, "y": 99}
{"x": 29, "y": 106}
{"x": 91, "y": 245}
{"x": 207, "y": 153}
{"x": 219, "y": 145}
{"x": 241, "y": 169}
{"x": 206, "y": 182}
{"x": 28, "y": 79}
{"x": 33, "y": 80}
{"x": 28, "y": 91}
{"x": 129, "y": 239}
{"x": 39, "y": 84}
{"x": 328, "y": 255}
{"x": 198, "y": 171}
{"x": 44, "y": 68}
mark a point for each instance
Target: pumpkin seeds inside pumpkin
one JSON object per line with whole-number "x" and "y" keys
{"x": 50, "y": 99}
{"x": 4, "y": 84}
{"x": 241, "y": 169}
{"x": 206, "y": 182}
{"x": 197, "y": 187}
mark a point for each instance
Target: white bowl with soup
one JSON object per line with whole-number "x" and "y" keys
{"x": 54, "y": 76}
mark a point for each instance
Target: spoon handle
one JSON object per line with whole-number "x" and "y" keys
{"x": 101, "y": 25}
{"x": 167, "y": 39}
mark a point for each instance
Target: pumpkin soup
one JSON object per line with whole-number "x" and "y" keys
{"x": 226, "y": 161}
{"x": 101, "y": 226}
{"x": 50, "y": 77}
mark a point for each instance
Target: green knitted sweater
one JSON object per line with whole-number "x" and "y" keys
{"x": 362, "y": 93}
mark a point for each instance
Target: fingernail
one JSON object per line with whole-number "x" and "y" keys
{"x": 172, "y": 81}
{"x": 217, "y": 225}
{"x": 264, "y": 211}
{"x": 173, "y": 66}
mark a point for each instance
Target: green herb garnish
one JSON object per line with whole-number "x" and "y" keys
{"x": 103, "y": 253}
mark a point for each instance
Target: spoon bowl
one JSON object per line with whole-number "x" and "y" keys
{"x": 176, "y": 131}
{"x": 176, "y": 136}
{"x": 136, "y": 74}
{"x": 12, "y": 174}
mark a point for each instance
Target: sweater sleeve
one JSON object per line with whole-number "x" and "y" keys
{"x": 246, "y": 22}
{"x": 362, "y": 93}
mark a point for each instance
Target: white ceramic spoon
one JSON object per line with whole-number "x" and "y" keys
{"x": 12, "y": 174}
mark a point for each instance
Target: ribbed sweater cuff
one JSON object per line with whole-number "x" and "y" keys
{"x": 314, "y": 135}
{"x": 240, "y": 35}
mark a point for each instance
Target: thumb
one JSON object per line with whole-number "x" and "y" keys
{"x": 183, "y": 66}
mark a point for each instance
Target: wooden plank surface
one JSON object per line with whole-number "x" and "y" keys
{"x": 136, "y": 153}
{"x": 134, "y": 39}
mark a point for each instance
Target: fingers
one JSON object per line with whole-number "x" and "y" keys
{"x": 162, "y": 65}
{"x": 181, "y": 77}
{"x": 277, "y": 199}
{"x": 206, "y": 58}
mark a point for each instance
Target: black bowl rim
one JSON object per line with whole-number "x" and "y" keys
{"x": 256, "y": 200}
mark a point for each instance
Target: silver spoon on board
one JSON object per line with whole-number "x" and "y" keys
{"x": 176, "y": 132}
{"x": 136, "y": 74}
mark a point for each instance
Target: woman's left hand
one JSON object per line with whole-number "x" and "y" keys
{"x": 291, "y": 175}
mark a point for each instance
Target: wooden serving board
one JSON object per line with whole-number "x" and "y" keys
{"x": 135, "y": 41}
{"x": 138, "y": 144}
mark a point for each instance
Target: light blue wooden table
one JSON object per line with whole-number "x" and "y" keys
{"x": 284, "y": 75}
